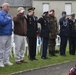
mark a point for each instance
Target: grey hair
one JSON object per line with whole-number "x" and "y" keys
{"x": 4, "y": 4}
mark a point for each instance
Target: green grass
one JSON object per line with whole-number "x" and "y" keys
{"x": 35, "y": 64}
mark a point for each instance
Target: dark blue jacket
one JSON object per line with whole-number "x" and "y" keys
{"x": 72, "y": 28}
{"x": 45, "y": 27}
{"x": 64, "y": 26}
{"x": 5, "y": 23}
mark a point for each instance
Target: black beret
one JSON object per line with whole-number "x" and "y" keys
{"x": 31, "y": 9}
{"x": 63, "y": 12}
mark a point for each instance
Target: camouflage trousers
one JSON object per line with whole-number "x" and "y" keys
{"x": 52, "y": 43}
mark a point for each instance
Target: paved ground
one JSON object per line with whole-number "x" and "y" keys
{"x": 60, "y": 69}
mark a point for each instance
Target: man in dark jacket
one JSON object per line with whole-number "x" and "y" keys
{"x": 63, "y": 33}
{"x": 20, "y": 32}
{"x": 72, "y": 34}
{"x": 45, "y": 29}
{"x": 32, "y": 33}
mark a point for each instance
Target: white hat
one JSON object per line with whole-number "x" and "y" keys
{"x": 20, "y": 10}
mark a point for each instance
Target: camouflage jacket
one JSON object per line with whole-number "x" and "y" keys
{"x": 53, "y": 27}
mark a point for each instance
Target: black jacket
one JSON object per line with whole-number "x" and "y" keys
{"x": 72, "y": 28}
{"x": 45, "y": 27}
{"x": 64, "y": 26}
{"x": 31, "y": 26}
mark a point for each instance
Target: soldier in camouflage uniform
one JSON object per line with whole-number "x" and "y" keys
{"x": 53, "y": 33}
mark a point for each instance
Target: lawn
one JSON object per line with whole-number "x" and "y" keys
{"x": 35, "y": 64}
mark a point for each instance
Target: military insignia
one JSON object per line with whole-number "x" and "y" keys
{"x": 65, "y": 23}
{"x": 30, "y": 20}
{"x": 45, "y": 22}
{"x": 35, "y": 19}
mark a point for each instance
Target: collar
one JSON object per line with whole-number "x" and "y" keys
{"x": 3, "y": 12}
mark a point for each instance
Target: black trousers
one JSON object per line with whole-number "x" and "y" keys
{"x": 72, "y": 45}
{"x": 32, "y": 47}
{"x": 44, "y": 47}
{"x": 63, "y": 45}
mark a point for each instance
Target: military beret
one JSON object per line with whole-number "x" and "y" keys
{"x": 52, "y": 10}
{"x": 31, "y": 9}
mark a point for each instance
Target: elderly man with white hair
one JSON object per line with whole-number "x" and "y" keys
{"x": 5, "y": 35}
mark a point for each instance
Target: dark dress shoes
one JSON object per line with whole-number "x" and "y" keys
{"x": 18, "y": 62}
{"x": 44, "y": 58}
{"x": 35, "y": 59}
{"x": 30, "y": 59}
{"x": 22, "y": 61}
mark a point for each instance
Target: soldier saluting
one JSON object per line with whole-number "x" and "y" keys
{"x": 32, "y": 33}
{"x": 45, "y": 29}
{"x": 72, "y": 34}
